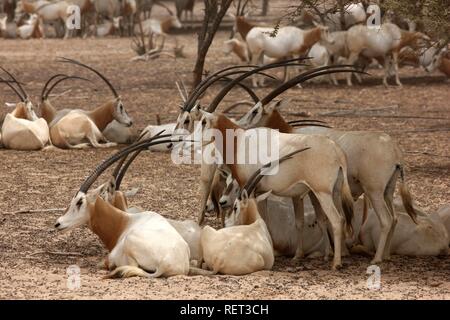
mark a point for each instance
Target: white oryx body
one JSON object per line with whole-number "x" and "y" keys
{"x": 288, "y": 41}
{"x": 22, "y": 130}
{"x": 294, "y": 180}
{"x": 370, "y": 170}
{"x": 384, "y": 42}
{"x": 140, "y": 244}
{"x": 239, "y": 249}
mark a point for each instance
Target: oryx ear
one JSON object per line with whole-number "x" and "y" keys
{"x": 208, "y": 116}
{"x": 263, "y": 196}
{"x": 274, "y": 105}
{"x": 10, "y": 105}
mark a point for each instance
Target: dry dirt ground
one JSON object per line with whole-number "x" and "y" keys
{"x": 417, "y": 115}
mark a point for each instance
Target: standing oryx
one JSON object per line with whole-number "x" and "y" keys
{"x": 374, "y": 164}
{"x": 384, "y": 42}
{"x": 79, "y": 128}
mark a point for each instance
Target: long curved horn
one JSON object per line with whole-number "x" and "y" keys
{"x": 117, "y": 156}
{"x": 208, "y": 78}
{"x": 48, "y": 82}
{"x": 250, "y": 92}
{"x": 59, "y": 81}
{"x": 164, "y": 6}
{"x": 306, "y": 76}
{"x": 67, "y": 60}
{"x": 310, "y": 124}
{"x": 8, "y": 83}
{"x": 254, "y": 179}
{"x": 208, "y": 84}
{"x": 306, "y": 120}
{"x": 213, "y": 105}
{"x": 118, "y": 168}
{"x": 19, "y": 85}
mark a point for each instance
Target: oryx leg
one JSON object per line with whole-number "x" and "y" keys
{"x": 351, "y": 60}
{"x": 389, "y": 199}
{"x": 95, "y": 136}
{"x": 257, "y": 59}
{"x": 337, "y": 224}
{"x": 299, "y": 223}
{"x": 395, "y": 62}
{"x": 321, "y": 220}
{"x": 206, "y": 178}
{"x": 386, "y": 222}
{"x": 387, "y": 64}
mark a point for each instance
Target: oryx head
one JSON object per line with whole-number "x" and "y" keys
{"x": 436, "y": 60}
{"x": 186, "y": 119}
{"x": 231, "y": 190}
{"x": 259, "y": 114}
{"x": 324, "y": 33}
{"x": 175, "y": 22}
{"x": 78, "y": 212}
{"x": 119, "y": 112}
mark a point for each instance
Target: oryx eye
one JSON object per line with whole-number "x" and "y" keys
{"x": 79, "y": 203}
{"x": 255, "y": 112}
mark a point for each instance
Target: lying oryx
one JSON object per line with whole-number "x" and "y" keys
{"x": 428, "y": 237}
{"x": 79, "y": 128}
{"x": 21, "y": 128}
{"x": 139, "y": 243}
{"x": 245, "y": 245}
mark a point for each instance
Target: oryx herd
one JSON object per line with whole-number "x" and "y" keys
{"x": 327, "y": 193}
{"x": 27, "y": 19}
{"x": 332, "y": 194}
{"x": 328, "y": 44}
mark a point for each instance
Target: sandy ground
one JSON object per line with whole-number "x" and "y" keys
{"x": 417, "y": 115}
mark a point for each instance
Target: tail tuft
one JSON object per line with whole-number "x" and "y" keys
{"x": 131, "y": 271}
{"x": 406, "y": 195}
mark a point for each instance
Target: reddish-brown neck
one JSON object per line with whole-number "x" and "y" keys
{"x": 107, "y": 222}
{"x": 223, "y": 125}
{"x": 243, "y": 26}
{"x": 251, "y": 213}
{"x": 309, "y": 39}
{"x": 103, "y": 115}
{"x": 276, "y": 121}
{"x": 48, "y": 112}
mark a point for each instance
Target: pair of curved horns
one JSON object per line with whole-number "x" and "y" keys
{"x": 67, "y": 60}
{"x": 124, "y": 152}
{"x": 21, "y": 92}
{"x": 62, "y": 77}
{"x": 285, "y": 63}
{"x": 256, "y": 177}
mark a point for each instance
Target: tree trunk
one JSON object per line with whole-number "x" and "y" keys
{"x": 265, "y": 7}
{"x": 211, "y": 22}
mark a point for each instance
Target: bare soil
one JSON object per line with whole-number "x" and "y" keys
{"x": 417, "y": 115}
